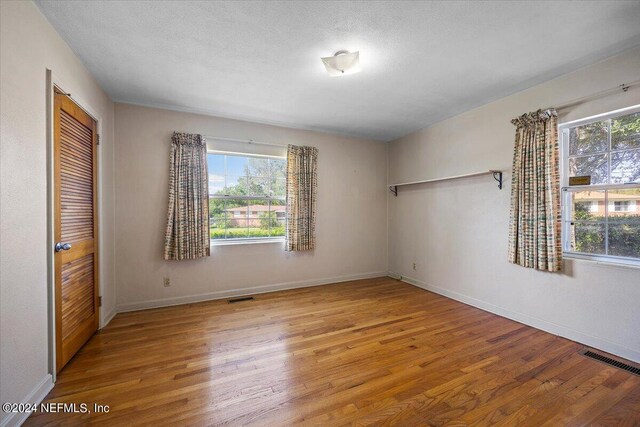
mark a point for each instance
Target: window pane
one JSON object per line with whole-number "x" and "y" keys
{"x": 278, "y": 187}
{"x": 237, "y": 165}
{"x": 258, "y": 186}
{"x": 624, "y": 238}
{"x": 237, "y": 228}
{"x": 625, "y": 166}
{"x": 217, "y": 208}
{"x": 236, "y": 185}
{"x": 277, "y": 215}
{"x": 278, "y": 168}
{"x": 587, "y": 205}
{"x": 279, "y": 230}
{"x": 624, "y": 204}
{"x": 591, "y": 138}
{"x": 216, "y": 184}
{"x": 588, "y": 238}
{"x": 217, "y": 227}
{"x": 594, "y": 166}
{"x": 257, "y": 217}
{"x": 215, "y": 163}
{"x": 236, "y": 215}
{"x": 258, "y": 166}
{"x": 215, "y": 166}
{"x": 625, "y": 132}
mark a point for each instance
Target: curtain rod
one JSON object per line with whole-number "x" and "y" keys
{"x": 248, "y": 141}
{"x": 623, "y": 87}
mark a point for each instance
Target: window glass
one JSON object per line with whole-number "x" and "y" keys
{"x": 625, "y": 166}
{"x": 591, "y": 138}
{"x": 588, "y": 237}
{"x": 602, "y": 219}
{"x": 246, "y": 196}
{"x": 596, "y": 167}
{"x": 625, "y": 132}
{"x": 587, "y": 205}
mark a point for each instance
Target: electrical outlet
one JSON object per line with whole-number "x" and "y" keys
{"x": 414, "y": 265}
{"x": 167, "y": 282}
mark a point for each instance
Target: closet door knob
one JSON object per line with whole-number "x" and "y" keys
{"x": 62, "y": 246}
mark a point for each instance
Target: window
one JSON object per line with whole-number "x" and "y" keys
{"x": 601, "y": 219}
{"x": 246, "y": 196}
{"x": 623, "y": 206}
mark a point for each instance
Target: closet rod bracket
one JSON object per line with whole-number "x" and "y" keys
{"x": 497, "y": 175}
{"x": 394, "y": 190}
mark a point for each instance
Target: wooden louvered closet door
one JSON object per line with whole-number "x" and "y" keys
{"x": 75, "y": 228}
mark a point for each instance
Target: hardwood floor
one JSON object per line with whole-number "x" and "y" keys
{"x": 368, "y": 352}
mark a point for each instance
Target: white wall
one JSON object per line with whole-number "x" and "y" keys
{"x": 457, "y": 231}
{"x": 351, "y": 218}
{"x": 29, "y": 46}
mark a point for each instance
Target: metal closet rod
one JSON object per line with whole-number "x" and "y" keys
{"x": 248, "y": 141}
{"x": 497, "y": 175}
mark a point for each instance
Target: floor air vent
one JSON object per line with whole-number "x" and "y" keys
{"x": 240, "y": 299}
{"x": 612, "y": 362}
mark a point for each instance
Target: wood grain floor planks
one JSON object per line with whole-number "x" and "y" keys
{"x": 367, "y": 352}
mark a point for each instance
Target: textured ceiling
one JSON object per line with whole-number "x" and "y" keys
{"x": 260, "y": 61}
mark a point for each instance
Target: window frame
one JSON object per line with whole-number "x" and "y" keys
{"x": 269, "y": 198}
{"x": 566, "y": 190}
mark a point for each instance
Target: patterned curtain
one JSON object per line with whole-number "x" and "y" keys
{"x": 534, "y": 229}
{"x": 302, "y": 165}
{"x": 187, "y": 235}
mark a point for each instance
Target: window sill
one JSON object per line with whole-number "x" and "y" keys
{"x": 603, "y": 261}
{"x": 232, "y": 242}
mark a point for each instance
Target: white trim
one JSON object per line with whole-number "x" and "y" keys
{"x": 600, "y": 187}
{"x": 544, "y": 325}
{"x": 227, "y": 196}
{"x": 165, "y": 302}
{"x": 37, "y": 394}
{"x": 241, "y": 154}
{"x": 108, "y": 317}
{"x": 603, "y": 260}
{"x": 51, "y": 304}
{"x": 245, "y": 241}
{"x": 244, "y": 141}
{"x": 598, "y": 117}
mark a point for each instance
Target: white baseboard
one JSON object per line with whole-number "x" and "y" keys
{"x": 108, "y": 317}
{"x": 544, "y": 325}
{"x": 36, "y": 396}
{"x": 165, "y": 302}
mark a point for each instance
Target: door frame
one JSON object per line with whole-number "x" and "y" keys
{"x": 54, "y": 81}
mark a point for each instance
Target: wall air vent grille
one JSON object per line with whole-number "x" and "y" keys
{"x": 240, "y": 299}
{"x": 612, "y": 362}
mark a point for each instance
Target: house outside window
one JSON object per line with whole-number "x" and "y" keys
{"x": 246, "y": 197}
{"x": 601, "y": 216}
{"x": 623, "y": 206}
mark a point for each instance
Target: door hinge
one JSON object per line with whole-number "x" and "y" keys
{"x": 98, "y": 139}
{"x": 100, "y": 301}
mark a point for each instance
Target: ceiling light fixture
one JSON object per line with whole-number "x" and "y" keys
{"x": 342, "y": 63}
